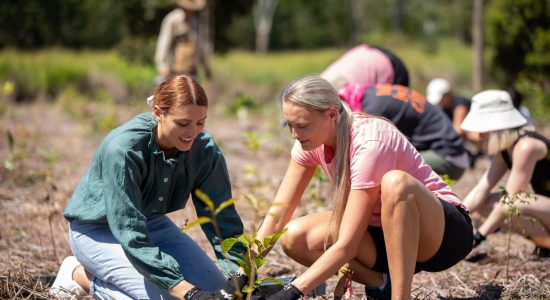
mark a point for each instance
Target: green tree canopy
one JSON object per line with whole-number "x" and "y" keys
{"x": 518, "y": 32}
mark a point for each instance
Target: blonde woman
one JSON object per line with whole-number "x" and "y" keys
{"x": 392, "y": 215}
{"x": 524, "y": 153}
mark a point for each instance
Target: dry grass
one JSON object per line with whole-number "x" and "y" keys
{"x": 33, "y": 234}
{"x": 18, "y": 284}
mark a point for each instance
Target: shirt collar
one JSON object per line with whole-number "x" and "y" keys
{"x": 155, "y": 149}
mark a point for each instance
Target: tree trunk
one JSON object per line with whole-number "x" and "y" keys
{"x": 398, "y": 15}
{"x": 478, "y": 41}
{"x": 205, "y": 40}
{"x": 263, "y": 18}
{"x": 357, "y": 8}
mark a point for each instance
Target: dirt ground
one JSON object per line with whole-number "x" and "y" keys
{"x": 50, "y": 151}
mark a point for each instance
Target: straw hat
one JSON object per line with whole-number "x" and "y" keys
{"x": 193, "y": 5}
{"x": 436, "y": 89}
{"x": 492, "y": 110}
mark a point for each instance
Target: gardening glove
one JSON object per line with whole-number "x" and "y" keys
{"x": 288, "y": 292}
{"x": 227, "y": 292}
{"x": 241, "y": 280}
{"x": 198, "y": 294}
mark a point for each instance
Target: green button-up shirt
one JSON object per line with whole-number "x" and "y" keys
{"x": 130, "y": 180}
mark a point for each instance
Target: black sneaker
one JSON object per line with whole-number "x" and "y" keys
{"x": 542, "y": 252}
{"x": 383, "y": 293}
{"x": 478, "y": 238}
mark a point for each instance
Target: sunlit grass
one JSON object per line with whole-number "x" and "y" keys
{"x": 450, "y": 59}
{"x": 51, "y": 70}
{"x": 241, "y": 74}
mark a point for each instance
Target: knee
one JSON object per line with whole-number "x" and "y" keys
{"x": 293, "y": 240}
{"x": 394, "y": 187}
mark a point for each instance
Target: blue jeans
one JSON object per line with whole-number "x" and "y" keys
{"x": 114, "y": 277}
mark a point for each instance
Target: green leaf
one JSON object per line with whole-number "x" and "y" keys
{"x": 11, "y": 140}
{"x": 198, "y": 221}
{"x": 248, "y": 290}
{"x": 502, "y": 190}
{"x": 252, "y": 201}
{"x": 245, "y": 265}
{"x": 228, "y": 243}
{"x": 270, "y": 240}
{"x": 8, "y": 165}
{"x": 260, "y": 246}
{"x": 273, "y": 280}
{"x": 246, "y": 240}
{"x": 224, "y": 205}
{"x": 205, "y": 199}
{"x": 237, "y": 254}
{"x": 260, "y": 261}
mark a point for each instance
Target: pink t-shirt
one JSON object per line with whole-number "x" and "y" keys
{"x": 377, "y": 147}
{"x": 361, "y": 64}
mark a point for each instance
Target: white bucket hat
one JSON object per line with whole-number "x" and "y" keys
{"x": 436, "y": 89}
{"x": 492, "y": 110}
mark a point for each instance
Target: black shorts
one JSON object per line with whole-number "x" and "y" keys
{"x": 457, "y": 242}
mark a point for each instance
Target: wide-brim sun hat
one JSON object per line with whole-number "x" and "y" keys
{"x": 436, "y": 89}
{"x": 192, "y": 5}
{"x": 492, "y": 110}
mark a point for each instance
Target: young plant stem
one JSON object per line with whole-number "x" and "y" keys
{"x": 238, "y": 292}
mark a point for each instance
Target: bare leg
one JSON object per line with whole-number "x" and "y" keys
{"x": 304, "y": 242}
{"x": 413, "y": 222}
{"x": 539, "y": 209}
{"x": 82, "y": 278}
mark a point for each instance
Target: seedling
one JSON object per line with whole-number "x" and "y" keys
{"x": 510, "y": 201}
{"x": 256, "y": 250}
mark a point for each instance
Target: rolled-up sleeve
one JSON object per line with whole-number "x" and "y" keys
{"x": 122, "y": 197}
{"x": 214, "y": 182}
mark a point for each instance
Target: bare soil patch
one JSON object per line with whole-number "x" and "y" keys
{"x": 52, "y": 151}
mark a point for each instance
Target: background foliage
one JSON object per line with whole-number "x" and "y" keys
{"x": 433, "y": 37}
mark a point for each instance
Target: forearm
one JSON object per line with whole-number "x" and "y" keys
{"x": 480, "y": 193}
{"x": 518, "y": 182}
{"x": 495, "y": 219}
{"x": 274, "y": 221}
{"x": 475, "y": 198}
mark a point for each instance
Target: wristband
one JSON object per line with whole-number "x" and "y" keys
{"x": 190, "y": 293}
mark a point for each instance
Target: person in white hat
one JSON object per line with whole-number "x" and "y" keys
{"x": 524, "y": 153}
{"x": 180, "y": 48}
{"x": 440, "y": 93}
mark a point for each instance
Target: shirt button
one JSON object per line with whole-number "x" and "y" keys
{"x": 161, "y": 198}
{"x": 166, "y": 179}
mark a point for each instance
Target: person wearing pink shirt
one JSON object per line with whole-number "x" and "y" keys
{"x": 364, "y": 64}
{"x": 392, "y": 216}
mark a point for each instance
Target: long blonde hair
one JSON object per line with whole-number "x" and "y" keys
{"x": 314, "y": 92}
